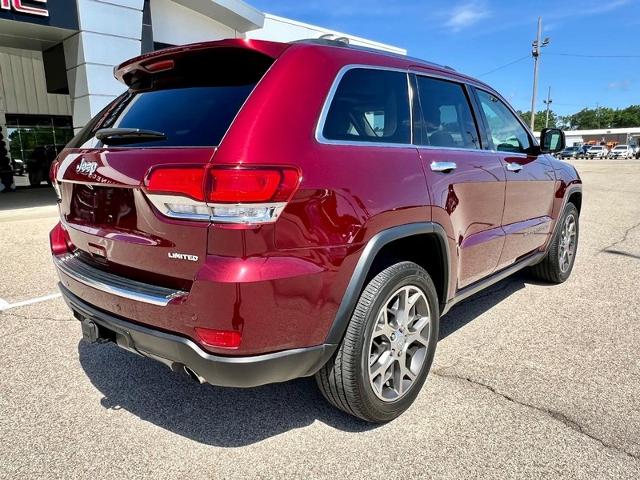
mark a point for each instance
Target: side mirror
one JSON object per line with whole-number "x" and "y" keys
{"x": 552, "y": 140}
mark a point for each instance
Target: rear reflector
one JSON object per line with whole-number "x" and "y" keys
{"x": 219, "y": 338}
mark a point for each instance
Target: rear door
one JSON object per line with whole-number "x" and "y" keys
{"x": 530, "y": 180}
{"x": 191, "y": 101}
{"x": 467, "y": 182}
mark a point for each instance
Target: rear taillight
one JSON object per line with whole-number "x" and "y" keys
{"x": 177, "y": 181}
{"x": 245, "y": 195}
{"x": 59, "y": 240}
{"x": 53, "y": 176}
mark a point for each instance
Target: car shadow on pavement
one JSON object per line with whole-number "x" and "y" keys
{"x": 232, "y": 417}
{"x": 471, "y": 308}
{"x": 226, "y": 417}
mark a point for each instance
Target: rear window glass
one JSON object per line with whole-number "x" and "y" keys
{"x": 192, "y": 105}
{"x": 370, "y": 106}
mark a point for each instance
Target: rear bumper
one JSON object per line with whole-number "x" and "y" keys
{"x": 178, "y": 352}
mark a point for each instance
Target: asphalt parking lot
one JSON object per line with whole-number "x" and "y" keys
{"x": 529, "y": 380}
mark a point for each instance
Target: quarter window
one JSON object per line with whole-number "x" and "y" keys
{"x": 370, "y": 106}
{"x": 446, "y": 116}
{"x": 506, "y": 132}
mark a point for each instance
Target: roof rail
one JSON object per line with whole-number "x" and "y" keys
{"x": 343, "y": 42}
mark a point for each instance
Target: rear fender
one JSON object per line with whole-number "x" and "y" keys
{"x": 359, "y": 276}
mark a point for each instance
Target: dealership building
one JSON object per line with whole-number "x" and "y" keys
{"x": 57, "y": 56}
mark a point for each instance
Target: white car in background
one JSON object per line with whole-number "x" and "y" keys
{"x": 621, "y": 151}
{"x": 597, "y": 151}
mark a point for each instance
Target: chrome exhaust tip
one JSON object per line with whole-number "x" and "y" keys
{"x": 193, "y": 375}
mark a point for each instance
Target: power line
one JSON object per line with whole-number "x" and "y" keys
{"x": 505, "y": 65}
{"x": 580, "y": 55}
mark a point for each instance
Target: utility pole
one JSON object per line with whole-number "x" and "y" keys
{"x": 537, "y": 44}
{"x": 548, "y": 102}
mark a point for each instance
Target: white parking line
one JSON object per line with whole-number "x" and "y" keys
{"x": 4, "y": 305}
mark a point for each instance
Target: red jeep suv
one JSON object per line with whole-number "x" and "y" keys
{"x": 252, "y": 212}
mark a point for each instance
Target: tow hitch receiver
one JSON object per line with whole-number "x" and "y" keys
{"x": 90, "y": 332}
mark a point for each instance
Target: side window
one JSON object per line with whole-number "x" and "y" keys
{"x": 446, "y": 115}
{"x": 370, "y": 106}
{"x": 505, "y": 130}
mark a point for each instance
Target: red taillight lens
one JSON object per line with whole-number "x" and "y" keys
{"x": 219, "y": 338}
{"x": 241, "y": 185}
{"x": 59, "y": 240}
{"x": 251, "y": 185}
{"x": 176, "y": 181}
{"x": 225, "y": 184}
{"x": 53, "y": 171}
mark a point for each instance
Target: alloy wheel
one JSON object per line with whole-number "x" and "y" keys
{"x": 398, "y": 343}
{"x": 567, "y": 247}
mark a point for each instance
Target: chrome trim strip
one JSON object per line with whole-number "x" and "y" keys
{"x": 273, "y": 212}
{"x": 455, "y": 149}
{"x": 75, "y": 268}
{"x": 162, "y": 202}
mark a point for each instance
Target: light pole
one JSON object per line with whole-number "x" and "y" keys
{"x": 535, "y": 52}
{"x": 548, "y": 103}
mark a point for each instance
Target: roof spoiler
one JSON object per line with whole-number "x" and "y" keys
{"x": 159, "y": 57}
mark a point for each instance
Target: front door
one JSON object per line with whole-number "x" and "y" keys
{"x": 466, "y": 183}
{"x": 530, "y": 178}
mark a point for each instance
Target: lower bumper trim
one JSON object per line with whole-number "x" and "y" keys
{"x": 178, "y": 352}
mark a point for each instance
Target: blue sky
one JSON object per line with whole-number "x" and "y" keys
{"x": 477, "y": 36}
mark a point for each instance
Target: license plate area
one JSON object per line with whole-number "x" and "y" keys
{"x": 103, "y": 206}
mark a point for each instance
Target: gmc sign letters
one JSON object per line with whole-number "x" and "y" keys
{"x": 19, "y": 6}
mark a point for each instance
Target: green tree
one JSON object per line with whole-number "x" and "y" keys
{"x": 627, "y": 117}
{"x": 586, "y": 118}
{"x": 541, "y": 119}
{"x": 604, "y": 117}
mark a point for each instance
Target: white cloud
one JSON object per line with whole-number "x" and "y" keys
{"x": 465, "y": 15}
{"x": 620, "y": 85}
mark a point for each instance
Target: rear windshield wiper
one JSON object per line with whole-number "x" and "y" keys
{"x": 112, "y": 136}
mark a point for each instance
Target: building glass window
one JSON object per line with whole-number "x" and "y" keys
{"x": 26, "y": 133}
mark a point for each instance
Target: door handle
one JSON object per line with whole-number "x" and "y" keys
{"x": 445, "y": 167}
{"x": 514, "y": 167}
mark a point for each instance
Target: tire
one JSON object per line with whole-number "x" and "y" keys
{"x": 346, "y": 380}
{"x": 551, "y": 269}
{"x": 35, "y": 179}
